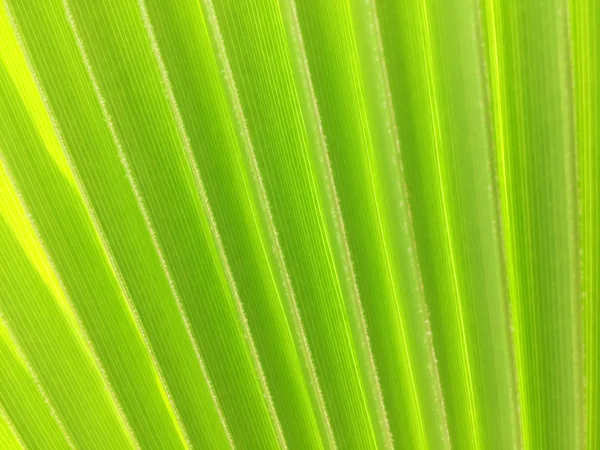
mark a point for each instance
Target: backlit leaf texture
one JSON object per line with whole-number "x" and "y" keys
{"x": 299, "y": 224}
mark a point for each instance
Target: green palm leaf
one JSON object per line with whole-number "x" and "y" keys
{"x": 295, "y": 224}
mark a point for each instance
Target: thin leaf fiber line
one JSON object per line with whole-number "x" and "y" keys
{"x": 240, "y": 118}
{"x": 588, "y": 214}
{"x": 487, "y": 111}
{"x": 573, "y": 238}
{"x": 72, "y": 315}
{"x": 148, "y": 223}
{"x": 582, "y": 15}
{"x": 4, "y": 416}
{"x": 574, "y": 205}
{"x": 530, "y": 174}
{"x": 437, "y": 137}
{"x": 168, "y": 91}
{"x": 505, "y": 225}
{"x": 109, "y": 256}
{"x": 33, "y": 375}
{"x": 530, "y": 433}
{"x": 340, "y": 232}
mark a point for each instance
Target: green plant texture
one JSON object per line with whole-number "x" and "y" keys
{"x": 300, "y": 224}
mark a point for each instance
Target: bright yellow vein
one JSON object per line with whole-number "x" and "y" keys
{"x": 585, "y": 20}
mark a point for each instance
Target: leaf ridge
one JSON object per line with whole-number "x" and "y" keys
{"x": 240, "y": 120}
{"x": 11, "y": 427}
{"x": 437, "y": 136}
{"x": 212, "y": 223}
{"x": 367, "y": 135}
{"x": 73, "y": 316}
{"x": 310, "y": 109}
{"x": 392, "y": 132}
{"x": 148, "y": 222}
{"x": 106, "y": 247}
{"x": 501, "y": 195}
{"x": 14, "y": 343}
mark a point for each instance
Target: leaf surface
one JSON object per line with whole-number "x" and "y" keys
{"x": 438, "y": 85}
{"x": 24, "y": 401}
{"x": 530, "y": 73}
